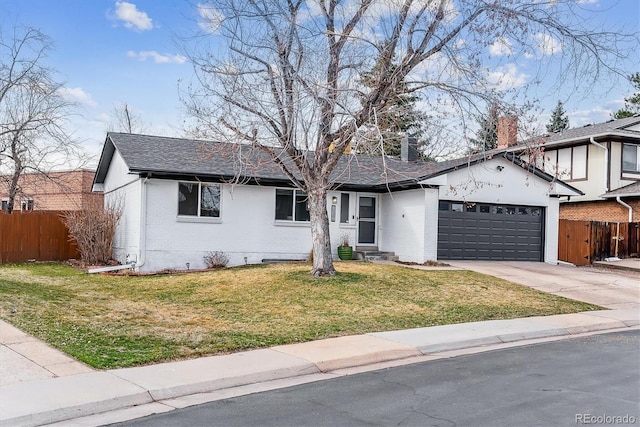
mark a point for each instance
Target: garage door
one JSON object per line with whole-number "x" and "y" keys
{"x": 478, "y": 231}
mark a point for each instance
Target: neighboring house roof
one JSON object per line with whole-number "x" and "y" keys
{"x": 631, "y": 190}
{"x": 55, "y": 190}
{"x": 181, "y": 158}
{"x": 613, "y": 128}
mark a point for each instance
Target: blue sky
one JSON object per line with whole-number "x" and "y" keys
{"x": 109, "y": 52}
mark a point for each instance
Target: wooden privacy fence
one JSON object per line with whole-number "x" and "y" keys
{"x": 35, "y": 235}
{"x": 582, "y": 242}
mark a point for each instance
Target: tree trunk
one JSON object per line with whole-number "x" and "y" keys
{"x": 322, "y": 259}
{"x": 14, "y": 189}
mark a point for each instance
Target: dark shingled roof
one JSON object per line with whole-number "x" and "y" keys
{"x": 631, "y": 190}
{"x": 619, "y": 127}
{"x": 182, "y": 158}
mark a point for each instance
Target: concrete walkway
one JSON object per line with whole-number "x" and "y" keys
{"x": 25, "y": 358}
{"x": 40, "y": 385}
{"x": 629, "y": 264}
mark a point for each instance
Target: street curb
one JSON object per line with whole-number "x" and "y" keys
{"x": 629, "y": 318}
{"x": 345, "y": 352}
{"x": 176, "y": 379}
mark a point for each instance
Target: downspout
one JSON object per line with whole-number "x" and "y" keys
{"x": 626, "y": 206}
{"x": 606, "y": 162}
{"x": 142, "y": 250}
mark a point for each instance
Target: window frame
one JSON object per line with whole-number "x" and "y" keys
{"x": 627, "y": 171}
{"x": 198, "y": 216}
{"x": 296, "y": 193}
{"x": 26, "y": 205}
{"x": 572, "y": 163}
{"x": 345, "y": 208}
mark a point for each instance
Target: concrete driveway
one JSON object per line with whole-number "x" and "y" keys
{"x": 607, "y": 288}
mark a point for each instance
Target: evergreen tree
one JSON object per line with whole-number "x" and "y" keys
{"x": 487, "y": 136}
{"x": 631, "y": 104}
{"x": 559, "y": 120}
{"x": 398, "y": 118}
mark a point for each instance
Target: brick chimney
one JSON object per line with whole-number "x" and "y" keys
{"x": 507, "y": 131}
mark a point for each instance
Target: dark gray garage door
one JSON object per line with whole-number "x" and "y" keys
{"x": 479, "y": 231}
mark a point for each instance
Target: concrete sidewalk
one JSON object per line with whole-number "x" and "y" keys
{"x": 151, "y": 389}
{"x": 25, "y": 358}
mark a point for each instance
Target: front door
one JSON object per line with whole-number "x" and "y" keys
{"x": 367, "y": 222}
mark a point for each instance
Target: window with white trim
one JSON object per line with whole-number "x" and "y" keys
{"x": 291, "y": 205}
{"x": 631, "y": 158}
{"x": 26, "y": 205}
{"x": 5, "y": 205}
{"x": 199, "y": 199}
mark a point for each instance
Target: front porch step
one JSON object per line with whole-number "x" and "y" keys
{"x": 374, "y": 255}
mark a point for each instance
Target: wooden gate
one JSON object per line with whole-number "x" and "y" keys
{"x": 582, "y": 242}
{"x": 574, "y": 238}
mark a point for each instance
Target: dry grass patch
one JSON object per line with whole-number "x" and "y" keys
{"x": 115, "y": 321}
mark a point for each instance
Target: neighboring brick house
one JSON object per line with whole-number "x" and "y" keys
{"x": 55, "y": 191}
{"x": 603, "y": 161}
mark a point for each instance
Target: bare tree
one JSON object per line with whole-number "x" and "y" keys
{"x": 125, "y": 120}
{"x": 288, "y": 79}
{"x": 33, "y": 111}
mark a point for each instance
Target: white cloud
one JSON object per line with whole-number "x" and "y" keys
{"x": 132, "y": 18}
{"x": 501, "y": 47}
{"x": 103, "y": 118}
{"x": 587, "y": 1}
{"x": 547, "y": 45}
{"x": 597, "y": 114}
{"x": 79, "y": 95}
{"x": 506, "y": 77}
{"x": 210, "y": 18}
{"x": 157, "y": 57}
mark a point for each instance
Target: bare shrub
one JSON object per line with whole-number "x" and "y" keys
{"x": 216, "y": 259}
{"x": 93, "y": 231}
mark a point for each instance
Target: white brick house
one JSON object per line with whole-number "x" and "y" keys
{"x": 179, "y": 204}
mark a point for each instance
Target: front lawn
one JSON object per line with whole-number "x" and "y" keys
{"x": 118, "y": 321}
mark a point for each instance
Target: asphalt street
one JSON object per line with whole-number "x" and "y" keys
{"x": 586, "y": 380}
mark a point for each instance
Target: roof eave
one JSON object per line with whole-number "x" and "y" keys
{"x": 108, "y": 149}
{"x": 613, "y": 196}
{"x": 580, "y": 139}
